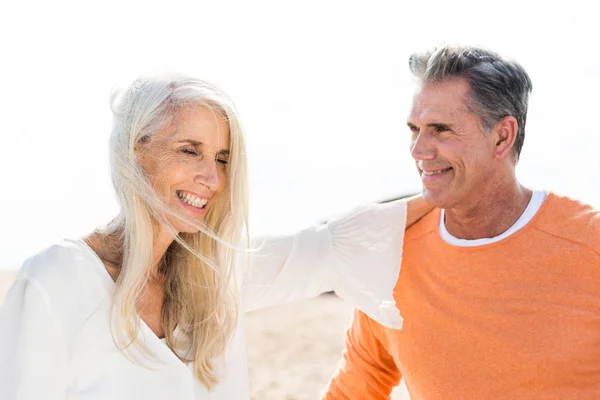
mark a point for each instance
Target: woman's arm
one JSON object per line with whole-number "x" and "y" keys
{"x": 286, "y": 268}
{"x": 32, "y": 346}
{"x": 357, "y": 254}
{"x": 417, "y": 208}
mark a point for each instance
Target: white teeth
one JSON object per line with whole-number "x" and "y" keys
{"x": 434, "y": 172}
{"x": 192, "y": 200}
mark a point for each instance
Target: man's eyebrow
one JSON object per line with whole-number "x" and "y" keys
{"x": 437, "y": 125}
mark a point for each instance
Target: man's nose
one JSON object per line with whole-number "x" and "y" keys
{"x": 421, "y": 147}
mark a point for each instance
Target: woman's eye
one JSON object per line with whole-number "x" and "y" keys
{"x": 222, "y": 161}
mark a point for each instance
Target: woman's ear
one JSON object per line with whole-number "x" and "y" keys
{"x": 140, "y": 149}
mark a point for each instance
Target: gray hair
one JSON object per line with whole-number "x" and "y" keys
{"x": 200, "y": 268}
{"x": 499, "y": 87}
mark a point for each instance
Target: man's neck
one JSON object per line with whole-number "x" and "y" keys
{"x": 490, "y": 216}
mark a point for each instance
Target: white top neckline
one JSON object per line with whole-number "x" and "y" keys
{"x": 110, "y": 284}
{"x": 537, "y": 198}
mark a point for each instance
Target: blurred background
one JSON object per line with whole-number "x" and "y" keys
{"x": 323, "y": 90}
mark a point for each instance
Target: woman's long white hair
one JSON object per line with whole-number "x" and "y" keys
{"x": 200, "y": 296}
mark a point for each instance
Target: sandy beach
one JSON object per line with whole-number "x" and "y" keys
{"x": 292, "y": 349}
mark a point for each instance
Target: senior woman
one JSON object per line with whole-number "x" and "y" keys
{"x": 150, "y": 306}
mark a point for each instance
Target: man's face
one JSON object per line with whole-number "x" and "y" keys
{"x": 453, "y": 156}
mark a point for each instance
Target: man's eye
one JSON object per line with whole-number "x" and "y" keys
{"x": 441, "y": 128}
{"x": 189, "y": 151}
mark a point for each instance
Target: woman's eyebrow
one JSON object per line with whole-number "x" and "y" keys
{"x": 190, "y": 141}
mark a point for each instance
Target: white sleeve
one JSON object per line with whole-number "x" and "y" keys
{"x": 288, "y": 268}
{"x": 357, "y": 254}
{"x": 32, "y": 347}
{"x": 368, "y": 247}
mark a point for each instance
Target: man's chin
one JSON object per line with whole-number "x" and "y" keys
{"x": 436, "y": 198}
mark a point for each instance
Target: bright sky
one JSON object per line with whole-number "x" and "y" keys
{"x": 322, "y": 88}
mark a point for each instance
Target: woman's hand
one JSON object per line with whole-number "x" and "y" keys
{"x": 417, "y": 207}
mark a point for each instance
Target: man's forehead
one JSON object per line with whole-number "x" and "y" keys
{"x": 435, "y": 109}
{"x": 438, "y": 100}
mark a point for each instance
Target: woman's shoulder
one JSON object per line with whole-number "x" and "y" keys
{"x": 59, "y": 262}
{"x": 56, "y": 289}
{"x": 63, "y": 273}
{"x": 63, "y": 280}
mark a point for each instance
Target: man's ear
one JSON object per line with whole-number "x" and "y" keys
{"x": 505, "y": 133}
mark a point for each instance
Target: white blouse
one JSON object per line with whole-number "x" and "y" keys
{"x": 55, "y": 338}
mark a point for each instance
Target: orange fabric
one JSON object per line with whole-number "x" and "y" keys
{"x": 366, "y": 366}
{"x": 515, "y": 319}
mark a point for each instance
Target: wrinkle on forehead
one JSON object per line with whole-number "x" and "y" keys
{"x": 198, "y": 123}
{"x": 440, "y": 101}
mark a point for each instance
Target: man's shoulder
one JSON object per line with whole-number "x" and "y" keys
{"x": 425, "y": 226}
{"x": 571, "y": 220}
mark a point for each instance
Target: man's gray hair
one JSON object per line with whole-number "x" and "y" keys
{"x": 499, "y": 87}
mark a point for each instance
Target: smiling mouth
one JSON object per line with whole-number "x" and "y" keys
{"x": 436, "y": 172}
{"x": 192, "y": 200}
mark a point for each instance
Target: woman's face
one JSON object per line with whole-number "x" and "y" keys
{"x": 186, "y": 162}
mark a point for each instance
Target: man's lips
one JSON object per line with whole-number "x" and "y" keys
{"x": 437, "y": 171}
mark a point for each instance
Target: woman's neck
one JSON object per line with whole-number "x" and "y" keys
{"x": 110, "y": 248}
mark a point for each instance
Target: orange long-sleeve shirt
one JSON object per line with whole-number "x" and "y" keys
{"x": 514, "y": 319}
